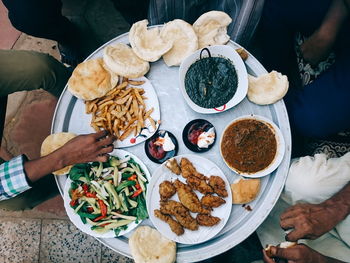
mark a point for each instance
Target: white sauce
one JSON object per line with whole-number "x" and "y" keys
{"x": 206, "y": 138}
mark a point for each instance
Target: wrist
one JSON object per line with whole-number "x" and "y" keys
{"x": 338, "y": 207}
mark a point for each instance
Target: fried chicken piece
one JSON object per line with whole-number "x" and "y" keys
{"x": 166, "y": 190}
{"x": 173, "y": 166}
{"x": 180, "y": 212}
{"x": 212, "y": 201}
{"x": 189, "y": 199}
{"x": 188, "y": 169}
{"x": 175, "y": 226}
{"x": 207, "y": 220}
{"x": 218, "y": 185}
{"x": 199, "y": 185}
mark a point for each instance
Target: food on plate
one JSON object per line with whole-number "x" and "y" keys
{"x": 189, "y": 198}
{"x": 109, "y": 196}
{"x": 218, "y": 185}
{"x": 249, "y": 145}
{"x": 147, "y": 245}
{"x": 207, "y": 220}
{"x": 209, "y": 200}
{"x": 211, "y": 28}
{"x": 147, "y": 42}
{"x": 199, "y": 184}
{"x": 175, "y": 226}
{"x": 173, "y": 166}
{"x": 211, "y": 82}
{"x": 181, "y": 213}
{"x": 286, "y": 244}
{"x": 122, "y": 111}
{"x": 161, "y": 146}
{"x": 54, "y": 142}
{"x": 245, "y": 190}
{"x": 166, "y": 190}
{"x": 199, "y": 135}
{"x": 267, "y": 88}
{"x": 122, "y": 60}
{"x": 91, "y": 80}
{"x": 184, "y": 40}
{"x": 188, "y": 169}
{"x": 242, "y": 53}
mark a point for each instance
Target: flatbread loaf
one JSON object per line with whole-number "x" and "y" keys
{"x": 267, "y": 88}
{"x": 90, "y": 80}
{"x": 122, "y": 60}
{"x": 147, "y": 245}
{"x": 211, "y": 28}
{"x": 54, "y": 142}
{"x": 147, "y": 43}
{"x": 245, "y": 190}
{"x": 184, "y": 39}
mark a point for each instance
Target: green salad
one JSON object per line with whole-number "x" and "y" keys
{"x": 109, "y": 195}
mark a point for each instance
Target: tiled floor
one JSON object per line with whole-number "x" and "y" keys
{"x": 45, "y": 234}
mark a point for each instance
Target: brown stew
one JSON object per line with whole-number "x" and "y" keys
{"x": 249, "y": 145}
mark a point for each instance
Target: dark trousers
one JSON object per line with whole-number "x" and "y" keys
{"x": 43, "y": 18}
{"x": 321, "y": 108}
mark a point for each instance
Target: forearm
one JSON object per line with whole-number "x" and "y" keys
{"x": 36, "y": 169}
{"x": 341, "y": 201}
{"x": 334, "y": 18}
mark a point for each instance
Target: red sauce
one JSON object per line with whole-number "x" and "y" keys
{"x": 156, "y": 151}
{"x": 249, "y": 145}
{"x": 195, "y": 131}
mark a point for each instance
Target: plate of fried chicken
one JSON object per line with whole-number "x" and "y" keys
{"x": 189, "y": 199}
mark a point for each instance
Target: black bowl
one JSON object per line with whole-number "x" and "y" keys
{"x": 193, "y": 125}
{"x": 167, "y": 155}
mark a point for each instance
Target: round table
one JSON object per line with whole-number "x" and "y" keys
{"x": 175, "y": 114}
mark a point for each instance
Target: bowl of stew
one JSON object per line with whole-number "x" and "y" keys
{"x": 213, "y": 79}
{"x": 252, "y": 146}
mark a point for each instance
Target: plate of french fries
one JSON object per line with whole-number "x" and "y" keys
{"x": 130, "y": 111}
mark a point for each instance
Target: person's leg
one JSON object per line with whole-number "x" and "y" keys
{"x": 132, "y": 10}
{"x": 28, "y": 70}
{"x": 321, "y": 108}
{"x": 41, "y": 191}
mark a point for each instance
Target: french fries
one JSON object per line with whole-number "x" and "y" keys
{"x": 122, "y": 111}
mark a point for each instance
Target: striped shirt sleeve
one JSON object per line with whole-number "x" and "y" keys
{"x": 13, "y": 180}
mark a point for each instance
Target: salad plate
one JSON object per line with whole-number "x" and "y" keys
{"x": 107, "y": 199}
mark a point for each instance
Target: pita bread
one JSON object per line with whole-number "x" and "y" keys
{"x": 245, "y": 190}
{"x": 147, "y": 245}
{"x": 122, "y": 60}
{"x": 54, "y": 142}
{"x": 267, "y": 88}
{"x": 90, "y": 80}
{"x": 184, "y": 39}
{"x": 211, "y": 28}
{"x": 147, "y": 43}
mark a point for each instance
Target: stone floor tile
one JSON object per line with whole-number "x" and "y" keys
{"x": 19, "y": 240}
{"x": 26, "y": 42}
{"x": 52, "y": 207}
{"x": 109, "y": 256}
{"x": 8, "y": 33}
{"x": 62, "y": 242}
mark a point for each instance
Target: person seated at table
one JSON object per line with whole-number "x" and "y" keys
{"x": 318, "y": 107}
{"x": 27, "y": 70}
{"x": 43, "y": 18}
{"x": 318, "y": 190}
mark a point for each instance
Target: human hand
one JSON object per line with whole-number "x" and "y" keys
{"x": 309, "y": 220}
{"x": 86, "y": 148}
{"x": 296, "y": 254}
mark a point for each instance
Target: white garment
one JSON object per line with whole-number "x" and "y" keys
{"x": 313, "y": 180}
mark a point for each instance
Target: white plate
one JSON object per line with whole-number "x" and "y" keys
{"x": 280, "y": 147}
{"x": 86, "y": 228}
{"x": 151, "y": 101}
{"x": 242, "y": 77}
{"x": 152, "y": 200}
